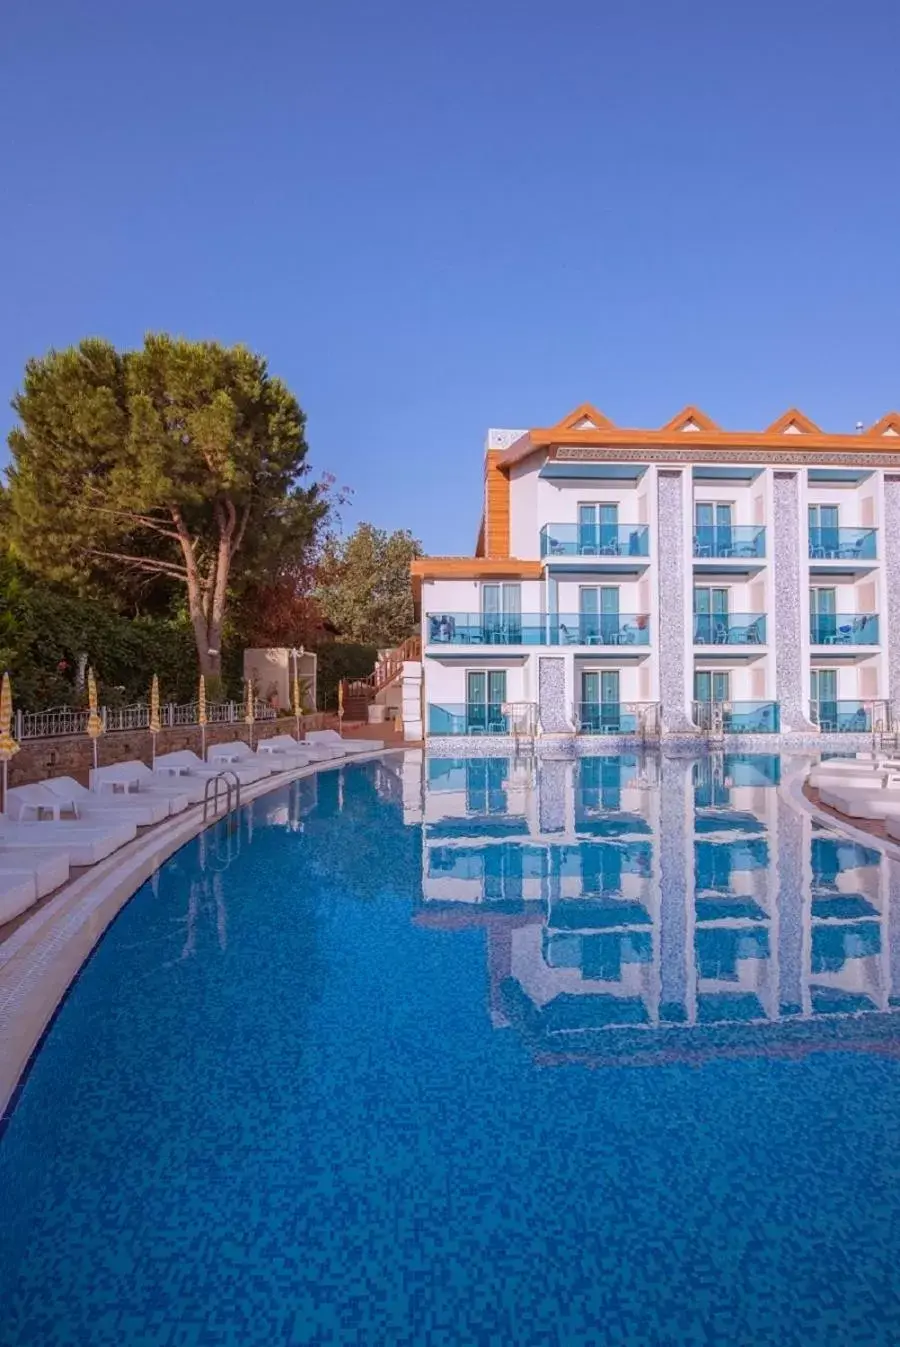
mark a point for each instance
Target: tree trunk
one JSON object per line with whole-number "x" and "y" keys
{"x": 206, "y": 634}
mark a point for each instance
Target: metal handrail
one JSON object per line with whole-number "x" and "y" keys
{"x": 225, "y": 776}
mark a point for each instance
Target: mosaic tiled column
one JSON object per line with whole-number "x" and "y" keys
{"x": 676, "y": 843}
{"x": 893, "y": 889}
{"x": 792, "y": 886}
{"x": 892, "y": 585}
{"x": 552, "y": 695}
{"x": 673, "y": 670}
{"x": 552, "y": 784}
{"x": 787, "y": 558}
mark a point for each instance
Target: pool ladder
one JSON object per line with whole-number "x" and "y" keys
{"x": 226, "y": 777}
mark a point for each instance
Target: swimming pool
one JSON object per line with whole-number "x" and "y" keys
{"x": 504, "y": 1052}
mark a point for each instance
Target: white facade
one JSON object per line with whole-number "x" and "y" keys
{"x": 588, "y": 590}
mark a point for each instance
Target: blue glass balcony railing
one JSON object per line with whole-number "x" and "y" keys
{"x": 485, "y": 629}
{"x": 729, "y": 628}
{"x": 845, "y": 716}
{"x": 843, "y": 629}
{"x": 839, "y": 544}
{"x": 471, "y": 718}
{"x": 741, "y": 717}
{"x": 605, "y": 718}
{"x": 730, "y": 543}
{"x": 595, "y": 540}
{"x": 613, "y": 629}
{"x": 594, "y": 629}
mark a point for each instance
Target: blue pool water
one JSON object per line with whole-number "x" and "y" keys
{"x": 572, "y": 1054}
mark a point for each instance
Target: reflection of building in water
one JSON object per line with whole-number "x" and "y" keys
{"x": 735, "y": 896}
{"x": 849, "y": 968}
{"x": 617, "y": 895}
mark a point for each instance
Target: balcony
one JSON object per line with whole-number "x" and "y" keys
{"x": 617, "y": 718}
{"x": 530, "y": 629}
{"x": 729, "y": 629}
{"x": 760, "y": 717}
{"x": 836, "y": 629}
{"x": 458, "y": 718}
{"x": 839, "y": 544}
{"x": 739, "y": 542}
{"x": 600, "y": 629}
{"x": 851, "y": 716}
{"x": 485, "y": 629}
{"x": 603, "y": 541}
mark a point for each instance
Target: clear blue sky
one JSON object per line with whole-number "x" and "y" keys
{"x": 434, "y": 218}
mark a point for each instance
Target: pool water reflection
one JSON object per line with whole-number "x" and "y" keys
{"x": 743, "y": 912}
{"x": 489, "y": 1051}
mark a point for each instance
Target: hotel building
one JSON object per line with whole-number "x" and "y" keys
{"x": 678, "y": 581}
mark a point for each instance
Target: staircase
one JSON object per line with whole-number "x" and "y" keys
{"x": 360, "y": 692}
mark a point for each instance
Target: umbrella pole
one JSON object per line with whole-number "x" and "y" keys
{"x": 153, "y": 753}
{"x": 96, "y": 764}
{"x": 203, "y": 742}
{"x": 5, "y": 787}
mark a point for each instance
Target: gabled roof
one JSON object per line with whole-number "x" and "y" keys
{"x": 585, "y": 417}
{"x": 691, "y": 418}
{"x": 793, "y": 422}
{"x": 888, "y": 425}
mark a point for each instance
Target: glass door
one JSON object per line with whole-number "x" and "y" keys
{"x": 710, "y": 615}
{"x": 823, "y": 698}
{"x": 588, "y": 615}
{"x": 711, "y": 689}
{"x": 501, "y": 614}
{"x": 485, "y": 695}
{"x": 609, "y": 614}
{"x": 589, "y": 717}
{"x": 824, "y": 538}
{"x": 713, "y": 529}
{"x": 609, "y": 700}
{"x": 823, "y": 619}
{"x": 598, "y": 530}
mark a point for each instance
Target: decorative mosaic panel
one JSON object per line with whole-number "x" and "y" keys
{"x": 789, "y": 670}
{"x": 552, "y": 695}
{"x": 891, "y": 533}
{"x": 675, "y": 841}
{"x": 790, "y": 881}
{"x": 672, "y": 634}
{"x": 553, "y": 783}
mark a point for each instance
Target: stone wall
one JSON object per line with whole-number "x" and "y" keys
{"x": 72, "y": 755}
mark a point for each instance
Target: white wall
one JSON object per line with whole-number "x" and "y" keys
{"x": 464, "y": 596}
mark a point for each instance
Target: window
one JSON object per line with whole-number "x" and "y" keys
{"x": 485, "y": 696}
{"x": 710, "y": 615}
{"x": 598, "y": 530}
{"x": 713, "y": 529}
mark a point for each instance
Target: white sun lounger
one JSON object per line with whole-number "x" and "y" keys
{"x": 192, "y": 772}
{"x": 47, "y": 869}
{"x": 852, "y": 780}
{"x": 141, "y": 808}
{"x": 136, "y": 778}
{"x": 332, "y": 738}
{"x": 239, "y": 754}
{"x": 17, "y": 894}
{"x": 863, "y": 804}
{"x": 86, "y": 843}
{"x": 286, "y": 751}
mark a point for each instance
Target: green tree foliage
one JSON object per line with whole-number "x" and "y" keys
{"x": 364, "y": 585}
{"x": 180, "y": 463}
{"x": 45, "y": 631}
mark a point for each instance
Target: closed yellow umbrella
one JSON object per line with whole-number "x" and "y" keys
{"x": 8, "y": 746}
{"x": 154, "y": 724}
{"x": 341, "y": 701}
{"x": 95, "y": 724}
{"x": 201, "y": 715}
{"x": 249, "y": 712}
